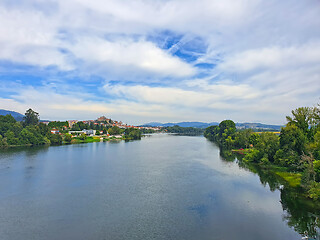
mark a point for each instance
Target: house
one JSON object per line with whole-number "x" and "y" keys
{"x": 54, "y": 131}
{"x": 89, "y": 132}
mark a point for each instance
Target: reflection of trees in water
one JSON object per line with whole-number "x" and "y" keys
{"x": 302, "y": 214}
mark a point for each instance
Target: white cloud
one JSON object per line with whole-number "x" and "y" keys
{"x": 205, "y": 97}
{"x": 128, "y": 55}
{"x": 271, "y": 59}
{"x": 28, "y": 37}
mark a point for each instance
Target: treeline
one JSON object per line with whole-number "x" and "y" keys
{"x": 185, "y": 130}
{"x": 27, "y": 132}
{"x": 297, "y": 148}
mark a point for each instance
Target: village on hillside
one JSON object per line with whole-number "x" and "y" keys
{"x": 101, "y": 126}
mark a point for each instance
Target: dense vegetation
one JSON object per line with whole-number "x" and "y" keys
{"x": 185, "y": 130}
{"x": 27, "y": 132}
{"x": 296, "y": 149}
{"x": 132, "y": 134}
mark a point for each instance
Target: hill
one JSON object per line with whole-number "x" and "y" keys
{"x": 17, "y": 116}
{"x": 204, "y": 125}
{"x": 180, "y": 124}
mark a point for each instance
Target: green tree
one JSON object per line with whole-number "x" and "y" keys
{"x": 242, "y": 138}
{"x": 227, "y": 125}
{"x": 132, "y": 134}
{"x": 55, "y": 138}
{"x": 114, "y": 130}
{"x": 31, "y": 117}
{"x": 301, "y": 117}
{"x": 212, "y": 133}
{"x": 11, "y": 139}
{"x": 254, "y": 139}
{"x": 3, "y": 142}
{"x": 268, "y": 145}
{"x": 292, "y": 138}
{"x": 67, "y": 138}
{"x": 44, "y": 129}
{"x": 83, "y": 136}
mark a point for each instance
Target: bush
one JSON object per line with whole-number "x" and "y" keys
{"x": 314, "y": 191}
{"x": 253, "y": 155}
{"x": 55, "y": 139}
{"x": 83, "y": 136}
{"x": 67, "y": 138}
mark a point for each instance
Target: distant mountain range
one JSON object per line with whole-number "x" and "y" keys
{"x": 204, "y": 125}
{"x": 17, "y": 116}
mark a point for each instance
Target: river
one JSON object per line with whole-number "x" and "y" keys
{"x": 162, "y": 187}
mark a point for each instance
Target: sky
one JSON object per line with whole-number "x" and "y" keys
{"x": 142, "y": 61}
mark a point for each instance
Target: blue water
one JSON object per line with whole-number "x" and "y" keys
{"x": 162, "y": 187}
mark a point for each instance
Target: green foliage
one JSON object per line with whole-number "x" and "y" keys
{"x": 292, "y": 139}
{"x": 44, "y": 129}
{"x": 268, "y": 144}
{"x": 316, "y": 165}
{"x": 314, "y": 191}
{"x": 294, "y": 179}
{"x": 190, "y": 131}
{"x": 31, "y": 117}
{"x": 254, "y": 155}
{"x": 132, "y": 134}
{"x": 67, "y": 138}
{"x": 114, "y": 130}
{"x": 297, "y": 149}
{"x": 58, "y": 124}
{"x": 82, "y": 136}
{"x": 212, "y": 133}
{"x": 11, "y": 139}
{"x": 227, "y": 126}
{"x": 254, "y": 139}
{"x": 3, "y": 142}
{"x": 79, "y": 126}
{"x": 55, "y": 139}
{"x": 242, "y": 138}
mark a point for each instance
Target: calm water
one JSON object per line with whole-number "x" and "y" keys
{"x": 162, "y": 187}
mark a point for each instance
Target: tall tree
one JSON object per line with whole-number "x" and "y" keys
{"x": 301, "y": 117}
{"x": 31, "y": 117}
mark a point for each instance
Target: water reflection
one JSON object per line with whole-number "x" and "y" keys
{"x": 302, "y": 214}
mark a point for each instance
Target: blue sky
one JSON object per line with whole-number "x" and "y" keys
{"x": 160, "y": 60}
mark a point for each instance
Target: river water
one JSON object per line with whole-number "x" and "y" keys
{"x": 162, "y": 187}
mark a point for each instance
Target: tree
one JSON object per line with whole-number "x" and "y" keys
{"x": 228, "y": 125}
{"x": 114, "y": 130}
{"x": 132, "y": 134}
{"x": 268, "y": 144}
{"x": 254, "y": 138}
{"x": 242, "y": 138}
{"x": 11, "y": 139}
{"x": 55, "y": 138}
{"x": 31, "y": 117}
{"x": 211, "y": 133}
{"x": 301, "y": 118}
{"x": 3, "y": 142}
{"x": 83, "y": 136}
{"x": 292, "y": 138}
{"x": 67, "y": 137}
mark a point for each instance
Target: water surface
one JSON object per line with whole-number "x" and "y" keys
{"x": 162, "y": 187}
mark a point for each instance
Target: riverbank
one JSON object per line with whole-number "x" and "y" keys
{"x": 287, "y": 176}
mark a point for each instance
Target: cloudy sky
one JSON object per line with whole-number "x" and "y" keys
{"x": 160, "y": 60}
